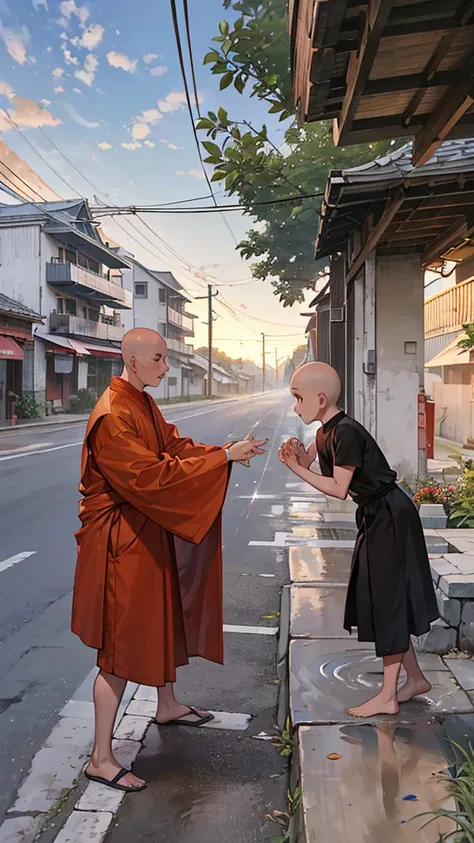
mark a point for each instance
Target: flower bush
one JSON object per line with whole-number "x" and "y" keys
{"x": 430, "y": 494}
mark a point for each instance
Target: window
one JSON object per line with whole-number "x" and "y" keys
{"x": 162, "y": 294}
{"x": 162, "y": 328}
{"x": 141, "y": 290}
{"x": 70, "y": 306}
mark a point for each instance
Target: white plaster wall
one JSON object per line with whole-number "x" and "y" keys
{"x": 20, "y": 265}
{"x": 82, "y": 367}
{"x": 399, "y": 319}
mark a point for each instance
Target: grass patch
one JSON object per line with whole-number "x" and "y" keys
{"x": 461, "y": 787}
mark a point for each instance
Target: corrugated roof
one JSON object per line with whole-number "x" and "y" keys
{"x": 16, "y": 308}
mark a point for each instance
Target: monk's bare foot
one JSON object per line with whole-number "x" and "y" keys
{"x": 377, "y": 705}
{"x": 109, "y": 769}
{"x": 413, "y": 688}
{"x": 177, "y": 711}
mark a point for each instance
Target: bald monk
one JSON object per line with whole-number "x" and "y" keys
{"x": 391, "y": 595}
{"x": 148, "y": 584}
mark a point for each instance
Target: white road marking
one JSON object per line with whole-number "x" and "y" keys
{"x": 290, "y": 539}
{"x": 8, "y": 563}
{"x": 251, "y": 630}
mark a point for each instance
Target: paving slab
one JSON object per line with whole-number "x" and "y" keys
{"x": 327, "y": 677}
{"x": 359, "y": 798}
{"x": 457, "y": 585}
{"x": 463, "y": 670}
{"x": 320, "y": 564}
{"x": 317, "y": 612}
{"x": 20, "y": 829}
{"x": 85, "y": 827}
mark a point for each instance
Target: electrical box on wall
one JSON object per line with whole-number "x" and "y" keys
{"x": 369, "y": 366}
{"x": 337, "y": 314}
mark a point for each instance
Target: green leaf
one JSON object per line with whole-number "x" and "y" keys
{"x": 236, "y": 133}
{"x": 231, "y": 179}
{"x": 239, "y": 83}
{"x": 226, "y": 46}
{"x": 285, "y": 115}
{"x": 238, "y": 24}
{"x": 212, "y": 116}
{"x": 224, "y": 27}
{"x": 271, "y": 79}
{"x": 220, "y": 67}
{"x": 218, "y": 176}
{"x": 212, "y": 149}
{"x": 219, "y": 38}
{"x": 213, "y": 159}
{"x": 226, "y": 80}
{"x": 223, "y": 116}
{"x": 296, "y": 211}
{"x": 275, "y": 108}
{"x": 204, "y": 123}
{"x": 210, "y": 57}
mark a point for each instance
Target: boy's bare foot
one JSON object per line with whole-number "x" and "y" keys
{"x": 413, "y": 688}
{"x": 377, "y": 705}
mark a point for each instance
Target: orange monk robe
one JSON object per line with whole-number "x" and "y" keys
{"x": 148, "y": 584}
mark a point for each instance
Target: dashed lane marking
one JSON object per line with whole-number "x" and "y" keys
{"x": 8, "y": 563}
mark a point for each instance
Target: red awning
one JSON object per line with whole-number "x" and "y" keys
{"x": 9, "y": 349}
{"x": 102, "y": 350}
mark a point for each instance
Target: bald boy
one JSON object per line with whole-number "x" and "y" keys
{"x": 390, "y": 595}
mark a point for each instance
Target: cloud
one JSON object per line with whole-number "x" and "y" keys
{"x": 140, "y": 131}
{"x": 90, "y": 38}
{"x": 196, "y": 174}
{"x": 16, "y": 41}
{"x": 77, "y": 90}
{"x": 58, "y": 72}
{"x": 150, "y": 115}
{"x": 33, "y": 60}
{"x": 104, "y": 145}
{"x": 59, "y": 90}
{"x": 122, "y": 61}
{"x": 131, "y": 146}
{"x": 149, "y": 144}
{"x": 38, "y": 3}
{"x": 44, "y": 103}
{"x": 149, "y": 57}
{"x": 7, "y": 90}
{"x": 68, "y": 8}
{"x": 88, "y": 124}
{"x": 158, "y": 71}
{"x": 64, "y": 36}
{"x": 87, "y": 74}
{"x": 69, "y": 58}
{"x": 26, "y": 113}
{"x": 173, "y": 102}
{"x": 170, "y": 145}
{"x": 49, "y": 49}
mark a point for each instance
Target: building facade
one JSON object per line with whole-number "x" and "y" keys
{"x": 54, "y": 263}
{"x": 160, "y": 303}
{"x": 16, "y": 353}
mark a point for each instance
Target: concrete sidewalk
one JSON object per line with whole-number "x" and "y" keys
{"x": 360, "y": 781}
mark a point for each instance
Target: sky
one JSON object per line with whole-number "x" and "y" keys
{"x": 89, "y": 82}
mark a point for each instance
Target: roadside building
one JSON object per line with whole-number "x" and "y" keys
{"x": 54, "y": 263}
{"x": 16, "y": 353}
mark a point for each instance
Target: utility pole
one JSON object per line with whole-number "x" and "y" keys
{"x": 209, "y": 340}
{"x": 263, "y": 362}
{"x": 276, "y": 368}
{"x": 209, "y": 297}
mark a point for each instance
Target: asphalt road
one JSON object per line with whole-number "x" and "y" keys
{"x": 41, "y": 662}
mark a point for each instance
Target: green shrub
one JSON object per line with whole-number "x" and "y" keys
{"x": 83, "y": 402}
{"x": 27, "y": 407}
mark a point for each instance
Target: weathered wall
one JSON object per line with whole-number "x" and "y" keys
{"x": 400, "y": 367}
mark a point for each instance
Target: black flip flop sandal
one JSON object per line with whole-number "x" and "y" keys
{"x": 181, "y": 722}
{"x": 114, "y": 783}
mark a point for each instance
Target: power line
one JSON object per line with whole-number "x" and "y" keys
{"x": 174, "y": 14}
{"x": 190, "y": 51}
{"x": 158, "y": 209}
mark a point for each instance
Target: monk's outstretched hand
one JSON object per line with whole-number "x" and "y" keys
{"x": 247, "y": 449}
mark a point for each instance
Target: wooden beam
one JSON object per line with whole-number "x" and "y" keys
{"x": 452, "y": 106}
{"x": 360, "y": 65}
{"x": 376, "y": 234}
{"x": 452, "y": 237}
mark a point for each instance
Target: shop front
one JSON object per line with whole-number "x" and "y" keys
{"x": 16, "y": 354}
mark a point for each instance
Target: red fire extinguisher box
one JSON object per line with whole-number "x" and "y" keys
{"x": 430, "y": 429}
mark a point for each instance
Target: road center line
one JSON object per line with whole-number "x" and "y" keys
{"x": 8, "y": 563}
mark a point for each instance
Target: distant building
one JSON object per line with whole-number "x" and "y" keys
{"x": 160, "y": 303}
{"x": 54, "y": 264}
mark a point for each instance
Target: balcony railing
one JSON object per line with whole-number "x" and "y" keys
{"x": 60, "y": 323}
{"x": 180, "y": 347}
{"x": 180, "y": 321}
{"x": 449, "y": 310}
{"x": 93, "y": 286}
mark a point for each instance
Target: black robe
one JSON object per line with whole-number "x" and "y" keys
{"x": 391, "y": 594}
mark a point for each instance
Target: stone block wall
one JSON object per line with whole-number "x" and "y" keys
{"x": 453, "y": 578}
